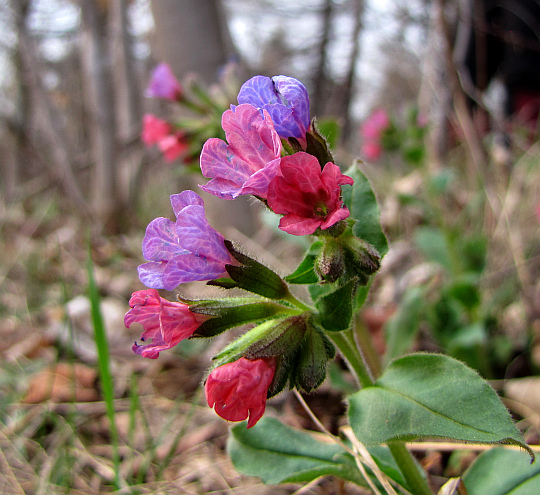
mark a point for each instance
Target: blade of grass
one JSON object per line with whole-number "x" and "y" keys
{"x": 106, "y": 380}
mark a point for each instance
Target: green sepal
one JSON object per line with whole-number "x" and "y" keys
{"x": 225, "y": 283}
{"x": 280, "y": 340}
{"x": 305, "y": 273}
{"x": 317, "y": 146}
{"x": 254, "y": 276}
{"x": 336, "y": 308}
{"x": 361, "y": 258}
{"x": 226, "y": 317}
{"x": 312, "y": 360}
{"x": 330, "y": 263}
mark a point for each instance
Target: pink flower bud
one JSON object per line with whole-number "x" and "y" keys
{"x": 238, "y": 389}
{"x": 166, "y": 323}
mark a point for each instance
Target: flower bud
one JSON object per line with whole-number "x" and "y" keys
{"x": 314, "y": 353}
{"x": 330, "y": 264}
{"x": 362, "y": 259}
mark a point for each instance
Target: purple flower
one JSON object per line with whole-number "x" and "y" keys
{"x": 185, "y": 250}
{"x": 163, "y": 84}
{"x": 284, "y": 98}
{"x": 249, "y": 162}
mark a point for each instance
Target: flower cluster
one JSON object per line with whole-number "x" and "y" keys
{"x": 272, "y": 151}
{"x": 181, "y": 136}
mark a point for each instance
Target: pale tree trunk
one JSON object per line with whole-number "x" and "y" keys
{"x": 127, "y": 92}
{"x": 100, "y": 107}
{"x": 320, "y": 79}
{"x": 348, "y": 86}
{"x": 192, "y": 36}
{"x": 59, "y": 149}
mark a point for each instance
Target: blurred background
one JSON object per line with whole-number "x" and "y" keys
{"x": 437, "y": 100}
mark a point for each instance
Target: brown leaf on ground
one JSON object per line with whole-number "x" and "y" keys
{"x": 63, "y": 382}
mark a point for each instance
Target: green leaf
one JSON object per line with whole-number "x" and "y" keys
{"x": 434, "y": 245}
{"x": 278, "y": 454}
{"x": 402, "y": 327}
{"x": 431, "y": 395}
{"x": 335, "y": 308}
{"x": 330, "y": 129}
{"x": 305, "y": 273}
{"x": 502, "y": 471}
{"x": 364, "y": 208}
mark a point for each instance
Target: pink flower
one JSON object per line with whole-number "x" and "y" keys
{"x": 239, "y": 389}
{"x": 166, "y": 323}
{"x": 249, "y": 162}
{"x": 154, "y": 129}
{"x": 173, "y": 145}
{"x": 371, "y": 151}
{"x": 374, "y": 126}
{"x": 163, "y": 84}
{"x": 371, "y": 132}
{"x": 308, "y": 197}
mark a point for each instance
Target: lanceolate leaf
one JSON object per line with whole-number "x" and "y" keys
{"x": 502, "y": 471}
{"x": 277, "y": 454}
{"x": 305, "y": 274}
{"x": 335, "y": 308}
{"x": 431, "y": 395}
{"x": 364, "y": 208}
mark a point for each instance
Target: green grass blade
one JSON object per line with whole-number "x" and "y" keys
{"x": 102, "y": 346}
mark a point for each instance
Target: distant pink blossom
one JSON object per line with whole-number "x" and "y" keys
{"x": 371, "y": 132}
{"x": 371, "y": 151}
{"x": 249, "y": 161}
{"x": 166, "y": 323}
{"x": 170, "y": 142}
{"x": 308, "y": 197}
{"x": 173, "y": 145}
{"x": 163, "y": 84}
{"x": 154, "y": 129}
{"x": 537, "y": 211}
{"x": 238, "y": 390}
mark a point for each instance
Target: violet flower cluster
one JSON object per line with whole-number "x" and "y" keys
{"x": 271, "y": 119}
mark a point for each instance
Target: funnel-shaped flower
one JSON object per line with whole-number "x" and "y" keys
{"x": 248, "y": 163}
{"x": 163, "y": 84}
{"x": 284, "y": 98}
{"x": 308, "y": 197}
{"x": 185, "y": 250}
{"x": 166, "y": 323}
{"x": 239, "y": 389}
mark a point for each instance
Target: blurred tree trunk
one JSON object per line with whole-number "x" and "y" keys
{"x": 58, "y": 151}
{"x": 320, "y": 78}
{"x": 112, "y": 101}
{"x": 348, "y": 85}
{"x": 100, "y": 106}
{"x": 192, "y": 36}
{"x": 127, "y": 92}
